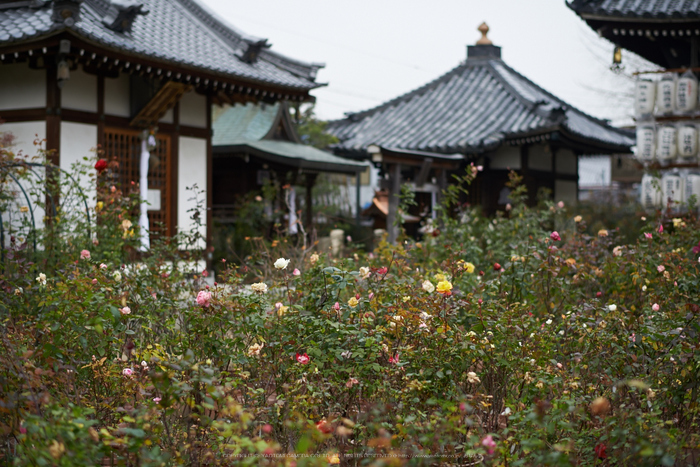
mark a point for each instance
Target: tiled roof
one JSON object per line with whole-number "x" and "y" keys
{"x": 180, "y": 32}
{"x": 639, "y": 9}
{"x": 475, "y": 107}
{"x": 242, "y": 128}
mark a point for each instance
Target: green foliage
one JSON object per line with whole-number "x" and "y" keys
{"x": 579, "y": 351}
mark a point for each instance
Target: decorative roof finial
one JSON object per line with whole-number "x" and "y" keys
{"x": 483, "y": 29}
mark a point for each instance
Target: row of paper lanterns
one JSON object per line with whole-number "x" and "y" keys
{"x": 667, "y": 143}
{"x": 677, "y": 186}
{"x": 672, "y": 93}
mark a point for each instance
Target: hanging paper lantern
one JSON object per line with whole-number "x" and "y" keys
{"x": 666, "y": 144}
{"x": 687, "y": 141}
{"x": 644, "y": 93}
{"x": 650, "y": 194}
{"x": 686, "y": 92}
{"x": 672, "y": 186}
{"x": 692, "y": 187}
{"x": 645, "y": 143}
{"x": 666, "y": 91}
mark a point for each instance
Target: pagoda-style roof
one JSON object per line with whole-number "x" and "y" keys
{"x": 171, "y": 33}
{"x": 661, "y": 31}
{"x": 639, "y": 10}
{"x": 476, "y": 107}
{"x": 265, "y": 132}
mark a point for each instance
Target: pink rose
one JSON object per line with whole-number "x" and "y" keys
{"x": 296, "y": 272}
{"x": 370, "y": 296}
{"x": 156, "y": 399}
{"x": 489, "y": 444}
{"x": 103, "y": 266}
{"x": 336, "y": 307}
{"x": 94, "y": 282}
{"x": 85, "y": 254}
{"x": 560, "y": 204}
{"x": 648, "y": 235}
{"x": 125, "y": 311}
{"x": 302, "y": 358}
{"x": 655, "y": 307}
{"x": 127, "y": 372}
{"x": 555, "y": 236}
{"x": 660, "y": 268}
{"x": 203, "y": 298}
{"x": 661, "y": 228}
{"x": 394, "y": 359}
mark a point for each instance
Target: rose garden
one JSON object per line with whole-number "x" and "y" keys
{"x": 529, "y": 338}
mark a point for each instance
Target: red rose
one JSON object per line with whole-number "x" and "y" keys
{"x": 496, "y": 267}
{"x": 600, "y": 449}
{"x": 100, "y": 165}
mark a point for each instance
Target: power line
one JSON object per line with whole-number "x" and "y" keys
{"x": 336, "y": 44}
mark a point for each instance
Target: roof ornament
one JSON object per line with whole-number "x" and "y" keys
{"x": 253, "y": 50}
{"x": 66, "y": 12}
{"x": 483, "y": 29}
{"x": 121, "y": 15}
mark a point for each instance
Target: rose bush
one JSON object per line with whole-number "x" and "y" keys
{"x": 494, "y": 341}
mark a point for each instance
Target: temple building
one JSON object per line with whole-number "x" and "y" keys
{"x": 482, "y": 112}
{"x": 664, "y": 32}
{"x": 86, "y": 73}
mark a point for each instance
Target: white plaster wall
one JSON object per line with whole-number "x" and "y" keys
{"x": 193, "y": 110}
{"x": 565, "y": 190}
{"x": 539, "y": 158}
{"x": 168, "y": 117}
{"x": 25, "y": 134}
{"x": 14, "y": 221}
{"x": 117, "y": 96}
{"x": 192, "y": 169}
{"x": 78, "y": 142}
{"x": 567, "y": 163}
{"x": 506, "y": 157}
{"x": 22, "y": 87}
{"x": 80, "y": 92}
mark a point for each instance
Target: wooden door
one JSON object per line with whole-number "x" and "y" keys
{"x": 124, "y": 145}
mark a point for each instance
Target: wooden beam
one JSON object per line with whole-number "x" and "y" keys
{"x": 164, "y": 100}
{"x": 23, "y": 115}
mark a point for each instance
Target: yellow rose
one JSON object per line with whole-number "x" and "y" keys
{"x": 469, "y": 267}
{"x": 352, "y": 302}
{"x": 444, "y": 287}
{"x": 440, "y": 277}
{"x": 602, "y": 233}
{"x": 578, "y": 219}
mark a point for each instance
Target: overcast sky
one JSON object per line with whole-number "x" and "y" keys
{"x": 375, "y": 50}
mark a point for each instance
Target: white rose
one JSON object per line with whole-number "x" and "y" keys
{"x": 259, "y": 287}
{"x": 612, "y": 307}
{"x": 282, "y": 263}
{"x": 117, "y": 276}
{"x": 428, "y": 286}
{"x": 364, "y": 272}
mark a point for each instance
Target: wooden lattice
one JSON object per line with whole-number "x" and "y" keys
{"x": 124, "y": 145}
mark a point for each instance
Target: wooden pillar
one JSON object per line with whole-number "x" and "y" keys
{"x": 100, "y": 112}
{"x": 310, "y": 180}
{"x": 174, "y": 164}
{"x": 357, "y": 198}
{"x": 394, "y": 192}
{"x": 210, "y": 181}
{"x": 53, "y": 115}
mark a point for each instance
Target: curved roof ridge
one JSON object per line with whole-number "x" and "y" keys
{"x": 556, "y": 99}
{"x": 238, "y": 39}
{"x": 403, "y": 97}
